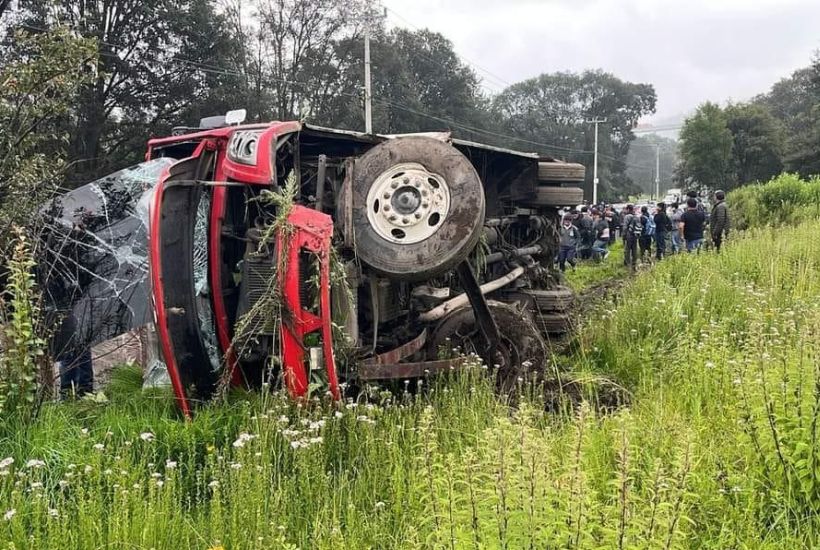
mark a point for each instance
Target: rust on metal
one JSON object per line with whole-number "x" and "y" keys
{"x": 409, "y": 370}
{"x": 397, "y": 354}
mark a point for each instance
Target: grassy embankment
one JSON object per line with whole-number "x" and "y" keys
{"x": 718, "y": 449}
{"x": 589, "y": 273}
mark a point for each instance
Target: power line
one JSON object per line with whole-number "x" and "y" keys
{"x": 218, "y": 70}
{"x": 494, "y": 76}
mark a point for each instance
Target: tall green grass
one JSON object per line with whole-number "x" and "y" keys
{"x": 717, "y": 449}
{"x": 784, "y": 200}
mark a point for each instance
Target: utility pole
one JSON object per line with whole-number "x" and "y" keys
{"x": 595, "y": 121}
{"x": 368, "y": 115}
{"x": 658, "y": 171}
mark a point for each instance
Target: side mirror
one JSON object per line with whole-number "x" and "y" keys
{"x": 235, "y": 117}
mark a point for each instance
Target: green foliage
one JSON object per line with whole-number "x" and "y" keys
{"x": 154, "y": 69}
{"x": 551, "y": 107}
{"x": 795, "y": 102}
{"x": 591, "y": 273}
{"x": 21, "y": 348}
{"x": 706, "y": 149}
{"x": 757, "y": 143}
{"x": 419, "y": 84}
{"x": 718, "y": 448}
{"x": 39, "y": 78}
{"x": 786, "y": 199}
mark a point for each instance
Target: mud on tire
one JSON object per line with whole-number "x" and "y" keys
{"x": 442, "y": 237}
{"x": 521, "y": 344}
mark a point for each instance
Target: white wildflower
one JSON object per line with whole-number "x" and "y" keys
{"x": 99, "y": 447}
{"x": 35, "y": 463}
{"x": 84, "y": 431}
{"x": 36, "y": 485}
{"x": 53, "y": 512}
{"x": 214, "y": 484}
{"x": 88, "y": 469}
{"x": 380, "y": 505}
{"x": 236, "y": 466}
{"x": 170, "y": 464}
{"x": 160, "y": 483}
{"x": 63, "y": 484}
{"x": 242, "y": 439}
{"x": 338, "y": 414}
{"x": 284, "y": 419}
{"x": 6, "y": 462}
{"x": 147, "y": 436}
{"x": 9, "y": 514}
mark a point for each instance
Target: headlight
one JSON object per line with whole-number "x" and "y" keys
{"x": 242, "y": 147}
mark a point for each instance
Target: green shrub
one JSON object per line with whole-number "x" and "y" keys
{"x": 784, "y": 200}
{"x": 21, "y": 348}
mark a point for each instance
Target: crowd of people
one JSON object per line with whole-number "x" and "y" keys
{"x": 647, "y": 231}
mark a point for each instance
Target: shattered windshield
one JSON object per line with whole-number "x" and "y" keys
{"x": 94, "y": 253}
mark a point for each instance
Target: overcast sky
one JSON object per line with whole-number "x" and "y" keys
{"x": 691, "y": 50}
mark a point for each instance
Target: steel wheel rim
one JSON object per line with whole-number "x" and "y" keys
{"x": 407, "y": 204}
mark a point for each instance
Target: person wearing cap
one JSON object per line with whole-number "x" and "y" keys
{"x": 719, "y": 220}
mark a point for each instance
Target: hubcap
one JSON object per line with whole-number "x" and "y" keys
{"x": 407, "y": 204}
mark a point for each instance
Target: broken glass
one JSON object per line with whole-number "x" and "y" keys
{"x": 93, "y": 259}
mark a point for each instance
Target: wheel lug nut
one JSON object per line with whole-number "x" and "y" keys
{"x": 406, "y": 179}
{"x": 417, "y": 183}
{"x": 425, "y": 204}
{"x": 394, "y": 185}
{"x": 392, "y": 218}
{"x": 417, "y": 215}
{"x": 386, "y": 195}
{"x": 405, "y": 220}
{"x": 424, "y": 192}
{"x": 386, "y": 208}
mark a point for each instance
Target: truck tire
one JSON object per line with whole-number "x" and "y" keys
{"x": 561, "y": 172}
{"x": 554, "y": 323}
{"x": 418, "y": 207}
{"x": 558, "y": 299}
{"x": 556, "y": 196}
{"x": 522, "y": 348}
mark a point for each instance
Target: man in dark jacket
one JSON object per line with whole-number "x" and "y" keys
{"x": 631, "y": 230}
{"x": 645, "y": 240}
{"x": 663, "y": 225}
{"x": 719, "y": 220}
{"x": 614, "y": 221}
{"x": 585, "y": 226}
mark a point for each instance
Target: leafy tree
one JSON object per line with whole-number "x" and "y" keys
{"x": 419, "y": 84}
{"x": 39, "y": 80}
{"x": 706, "y": 149}
{"x": 795, "y": 102}
{"x": 155, "y": 59}
{"x": 551, "y": 109}
{"x": 294, "y": 62}
{"x": 757, "y": 143}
